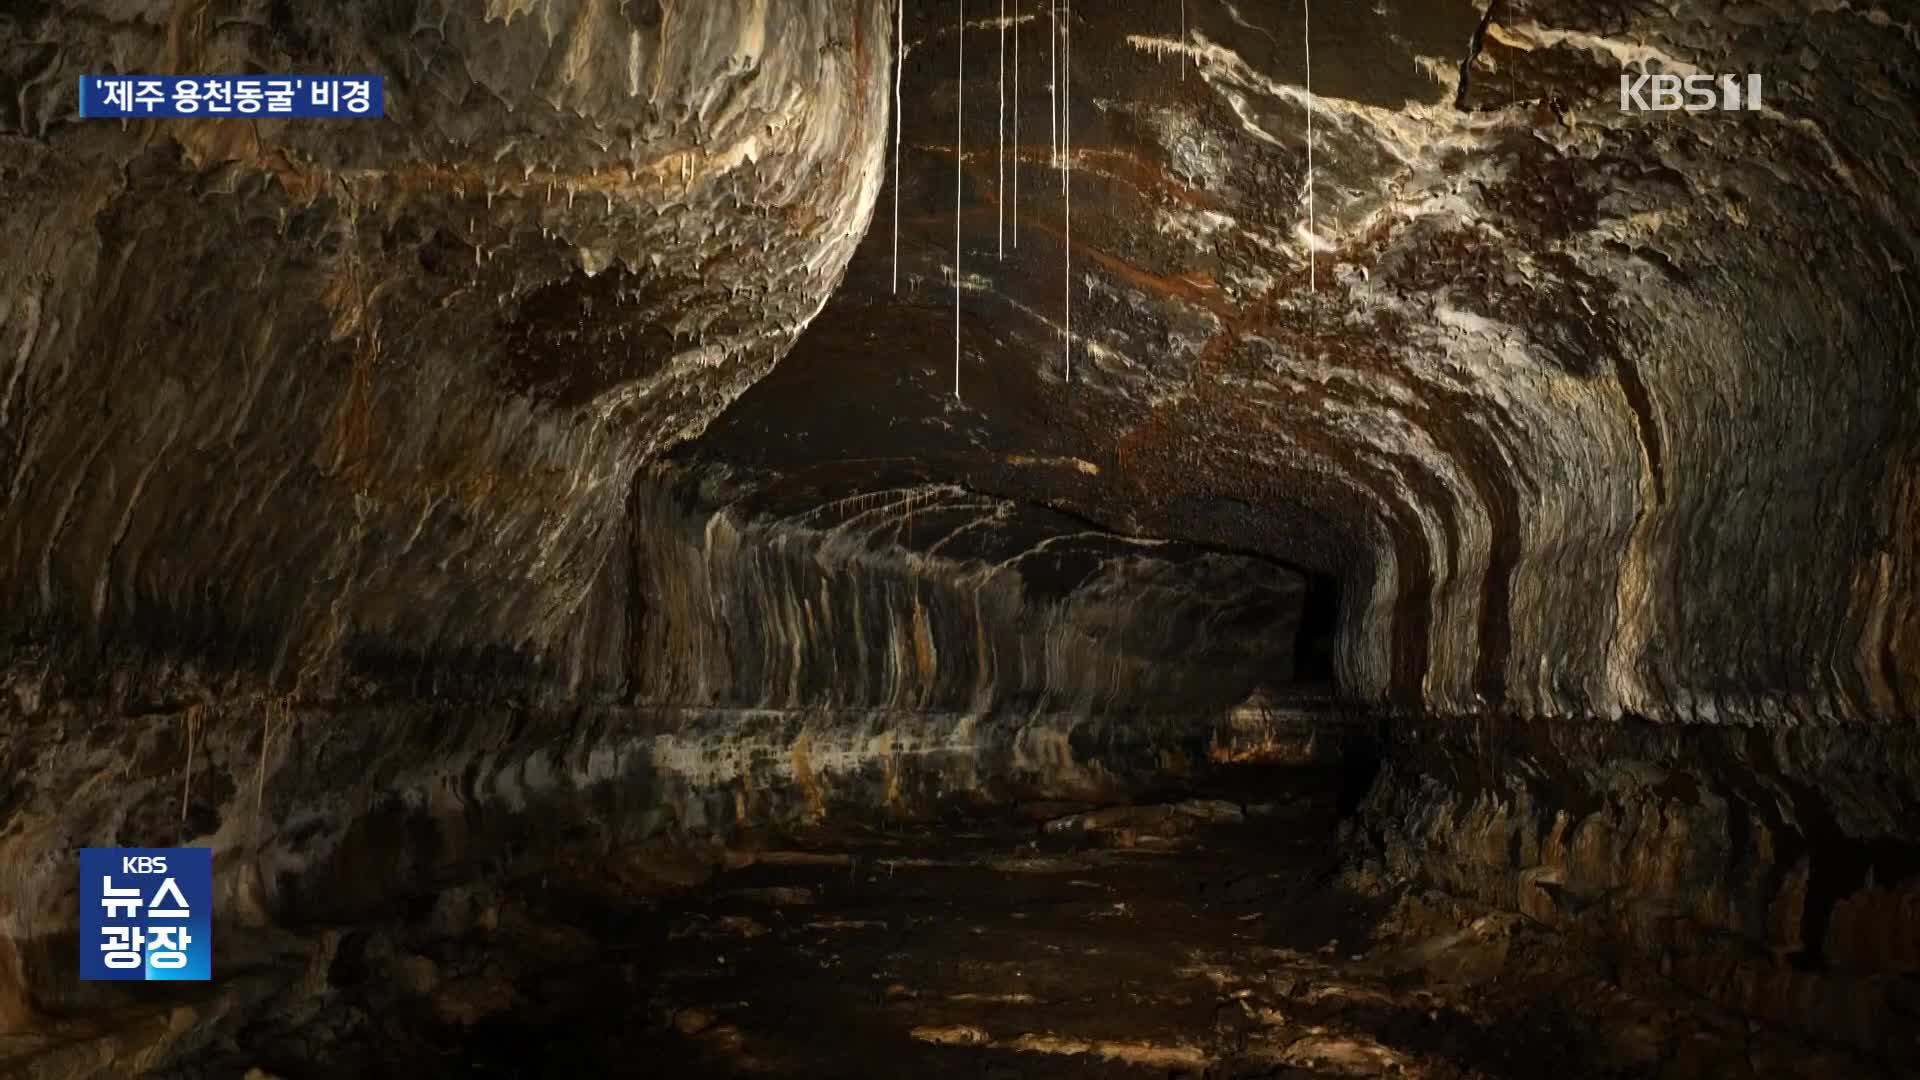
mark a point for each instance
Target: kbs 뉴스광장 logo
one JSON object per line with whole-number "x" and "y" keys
{"x": 145, "y": 914}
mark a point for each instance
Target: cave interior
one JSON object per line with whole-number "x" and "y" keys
{"x": 1009, "y": 538}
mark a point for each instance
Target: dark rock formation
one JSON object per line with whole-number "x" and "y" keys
{"x": 556, "y": 466}
{"x": 1770, "y": 869}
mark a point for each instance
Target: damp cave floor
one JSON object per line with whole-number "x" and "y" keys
{"x": 1164, "y": 945}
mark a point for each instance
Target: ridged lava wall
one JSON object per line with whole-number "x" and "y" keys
{"x": 1773, "y": 870}
{"x": 325, "y": 401}
{"x": 933, "y": 598}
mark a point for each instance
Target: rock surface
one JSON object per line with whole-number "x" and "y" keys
{"x": 568, "y": 464}
{"x": 1589, "y": 412}
{"x": 311, "y": 402}
{"x": 1770, "y": 870}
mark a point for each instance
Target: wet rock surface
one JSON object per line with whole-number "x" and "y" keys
{"x": 984, "y": 947}
{"x": 324, "y": 817}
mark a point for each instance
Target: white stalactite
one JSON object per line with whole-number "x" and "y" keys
{"x": 1053, "y": 80}
{"x": 899, "y": 75}
{"x": 1306, "y": 29}
{"x": 959, "y": 140}
{"x": 1066, "y": 16}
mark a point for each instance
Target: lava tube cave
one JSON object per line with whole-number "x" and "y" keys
{"x": 1411, "y": 567}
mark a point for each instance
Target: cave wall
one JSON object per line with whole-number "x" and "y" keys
{"x": 1775, "y": 871}
{"x": 929, "y": 598}
{"x": 301, "y": 404}
{"x": 298, "y": 415}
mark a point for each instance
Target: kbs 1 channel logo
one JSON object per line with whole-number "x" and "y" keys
{"x": 146, "y": 914}
{"x": 1650, "y": 89}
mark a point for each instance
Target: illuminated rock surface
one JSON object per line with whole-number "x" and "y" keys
{"x": 553, "y": 469}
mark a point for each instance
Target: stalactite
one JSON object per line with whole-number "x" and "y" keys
{"x": 899, "y": 76}
{"x": 999, "y": 192}
{"x": 1183, "y": 40}
{"x": 1053, "y": 80}
{"x": 1306, "y": 30}
{"x": 959, "y": 140}
{"x": 1016, "y": 126}
{"x": 1066, "y": 15}
{"x": 192, "y": 720}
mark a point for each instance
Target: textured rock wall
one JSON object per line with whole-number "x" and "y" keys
{"x": 1774, "y": 870}
{"x": 934, "y": 598}
{"x": 335, "y": 401}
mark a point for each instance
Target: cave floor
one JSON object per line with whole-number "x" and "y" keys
{"x": 1166, "y": 941}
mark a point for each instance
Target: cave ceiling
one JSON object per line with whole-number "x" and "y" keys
{"x": 1530, "y": 402}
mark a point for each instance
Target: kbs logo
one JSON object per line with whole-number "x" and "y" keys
{"x": 1661, "y": 91}
{"x": 145, "y": 914}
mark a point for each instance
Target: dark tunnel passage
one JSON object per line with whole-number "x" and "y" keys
{"x": 1319, "y": 624}
{"x": 847, "y": 538}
